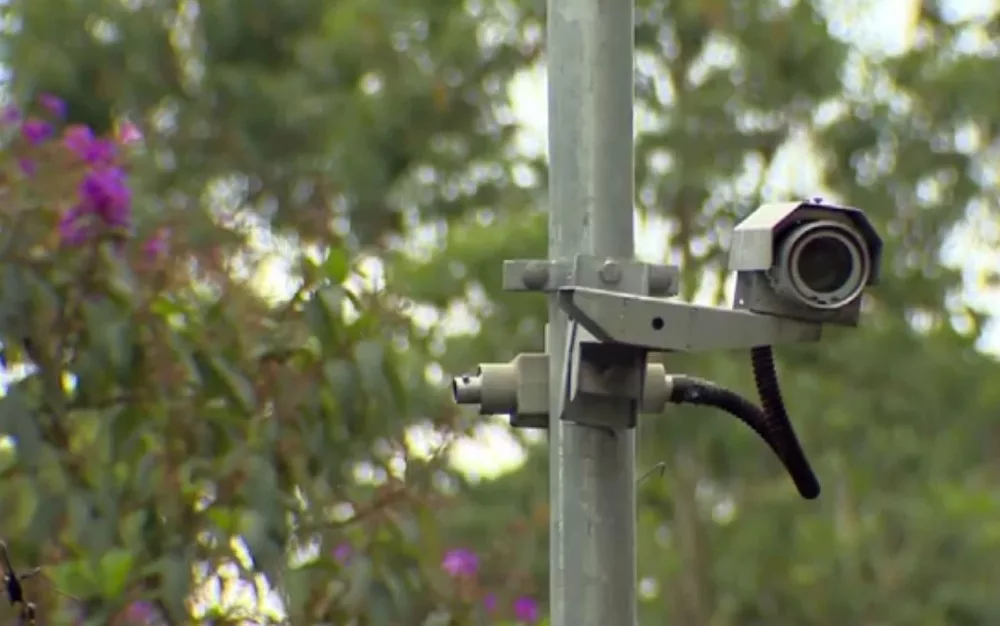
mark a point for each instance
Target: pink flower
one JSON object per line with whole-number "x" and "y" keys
{"x": 128, "y": 133}
{"x": 157, "y": 245}
{"x": 460, "y": 563}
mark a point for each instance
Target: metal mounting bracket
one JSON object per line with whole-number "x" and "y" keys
{"x": 661, "y": 325}
{"x": 626, "y": 276}
{"x": 618, "y": 313}
{"x": 602, "y": 381}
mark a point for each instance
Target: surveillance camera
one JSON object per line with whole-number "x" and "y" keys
{"x": 809, "y": 261}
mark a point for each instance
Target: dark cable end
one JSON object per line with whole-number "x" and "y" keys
{"x": 807, "y": 485}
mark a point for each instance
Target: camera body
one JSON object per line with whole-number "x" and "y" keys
{"x": 809, "y": 260}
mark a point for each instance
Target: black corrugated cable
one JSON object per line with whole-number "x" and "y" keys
{"x": 697, "y": 391}
{"x": 778, "y": 424}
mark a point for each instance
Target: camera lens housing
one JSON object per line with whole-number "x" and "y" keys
{"x": 822, "y": 264}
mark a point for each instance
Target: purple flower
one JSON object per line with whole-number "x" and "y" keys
{"x": 81, "y": 141}
{"x": 342, "y": 553}
{"x": 460, "y": 563}
{"x": 74, "y": 228}
{"x": 36, "y": 131}
{"x": 100, "y": 152}
{"x": 105, "y": 193}
{"x": 104, "y": 199}
{"x": 77, "y": 139}
{"x": 28, "y": 167}
{"x": 526, "y": 610}
{"x": 490, "y": 602}
{"x": 140, "y": 612}
{"x": 11, "y": 115}
{"x": 53, "y": 104}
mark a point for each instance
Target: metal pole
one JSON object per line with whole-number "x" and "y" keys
{"x": 591, "y": 182}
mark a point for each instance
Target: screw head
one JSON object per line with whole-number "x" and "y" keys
{"x": 661, "y": 280}
{"x": 535, "y": 275}
{"x": 611, "y": 272}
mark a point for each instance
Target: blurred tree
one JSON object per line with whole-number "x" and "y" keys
{"x": 170, "y": 408}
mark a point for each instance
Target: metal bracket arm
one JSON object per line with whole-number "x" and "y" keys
{"x": 669, "y": 326}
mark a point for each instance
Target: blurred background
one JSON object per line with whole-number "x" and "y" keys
{"x": 228, "y": 403}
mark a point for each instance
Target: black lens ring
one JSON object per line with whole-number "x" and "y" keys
{"x": 851, "y": 287}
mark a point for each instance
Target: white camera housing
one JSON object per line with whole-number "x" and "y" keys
{"x": 808, "y": 260}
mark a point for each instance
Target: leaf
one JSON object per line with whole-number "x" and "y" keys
{"x": 323, "y": 314}
{"x": 111, "y": 336}
{"x": 119, "y": 279}
{"x": 25, "y": 506}
{"x": 76, "y": 578}
{"x": 130, "y": 529}
{"x": 297, "y": 593}
{"x": 225, "y": 519}
{"x": 341, "y": 391}
{"x": 360, "y": 573}
{"x": 370, "y": 357}
{"x": 12, "y": 301}
{"x": 440, "y": 617}
{"x": 49, "y": 515}
{"x": 175, "y": 585}
{"x": 382, "y": 604}
{"x": 221, "y": 376}
{"x": 116, "y": 567}
{"x": 81, "y": 513}
{"x": 337, "y": 265}
{"x": 341, "y": 377}
{"x": 19, "y": 420}
{"x": 8, "y": 456}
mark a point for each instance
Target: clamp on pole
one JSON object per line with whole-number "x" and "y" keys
{"x": 602, "y": 381}
{"x": 520, "y": 389}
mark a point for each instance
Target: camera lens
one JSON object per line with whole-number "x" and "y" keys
{"x": 822, "y": 264}
{"x": 825, "y": 264}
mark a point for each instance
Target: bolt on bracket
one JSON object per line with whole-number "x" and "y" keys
{"x": 627, "y": 276}
{"x": 602, "y": 380}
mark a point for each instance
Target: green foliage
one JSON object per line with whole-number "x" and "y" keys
{"x": 171, "y": 415}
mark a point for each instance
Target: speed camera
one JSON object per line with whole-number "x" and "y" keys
{"x": 809, "y": 261}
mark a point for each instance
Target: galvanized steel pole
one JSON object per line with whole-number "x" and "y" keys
{"x": 591, "y": 183}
